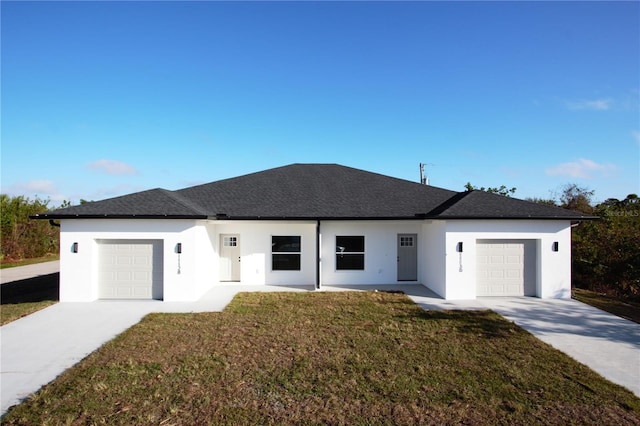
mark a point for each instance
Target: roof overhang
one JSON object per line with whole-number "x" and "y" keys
{"x": 115, "y": 216}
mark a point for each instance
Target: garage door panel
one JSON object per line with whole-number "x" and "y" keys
{"x": 513, "y": 275}
{"x": 503, "y": 274}
{"x": 130, "y": 269}
{"x": 141, "y": 261}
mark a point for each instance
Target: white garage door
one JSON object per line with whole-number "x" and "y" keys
{"x": 500, "y": 268}
{"x": 130, "y": 269}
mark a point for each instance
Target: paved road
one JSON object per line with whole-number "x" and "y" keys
{"x": 18, "y": 273}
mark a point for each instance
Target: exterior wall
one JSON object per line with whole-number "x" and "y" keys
{"x": 381, "y": 251}
{"x": 187, "y": 276}
{"x": 553, "y": 269}
{"x": 78, "y": 271}
{"x": 434, "y": 256}
{"x": 255, "y": 250}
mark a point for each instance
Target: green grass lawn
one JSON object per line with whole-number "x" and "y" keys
{"x": 24, "y": 262}
{"x": 327, "y": 358}
{"x": 624, "y": 309}
{"x": 14, "y": 311}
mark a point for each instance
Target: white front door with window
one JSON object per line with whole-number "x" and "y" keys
{"x": 407, "y": 257}
{"x": 230, "y": 257}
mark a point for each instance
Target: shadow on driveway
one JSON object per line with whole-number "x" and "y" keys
{"x": 37, "y": 289}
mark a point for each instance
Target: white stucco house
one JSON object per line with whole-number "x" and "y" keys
{"x": 312, "y": 224}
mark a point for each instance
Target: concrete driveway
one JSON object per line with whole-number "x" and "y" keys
{"x": 37, "y": 348}
{"x": 608, "y": 344}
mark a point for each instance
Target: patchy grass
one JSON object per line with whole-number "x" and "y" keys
{"x": 624, "y": 309}
{"x": 24, "y": 297}
{"x": 14, "y": 311}
{"x": 23, "y": 262}
{"x": 327, "y": 358}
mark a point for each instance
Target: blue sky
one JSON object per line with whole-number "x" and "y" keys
{"x": 101, "y": 99}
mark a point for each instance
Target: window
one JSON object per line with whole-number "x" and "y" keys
{"x": 406, "y": 241}
{"x": 230, "y": 241}
{"x": 285, "y": 253}
{"x": 350, "y": 253}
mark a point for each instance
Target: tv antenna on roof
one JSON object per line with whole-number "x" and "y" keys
{"x": 424, "y": 179}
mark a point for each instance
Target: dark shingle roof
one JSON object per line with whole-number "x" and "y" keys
{"x": 485, "y": 205}
{"x": 316, "y": 191}
{"x": 313, "y": 191}
{"x": 152, "y": 203}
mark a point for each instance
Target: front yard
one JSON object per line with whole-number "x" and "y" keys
{"x": 13, "y": 311}
{"x": 327, "y": 358}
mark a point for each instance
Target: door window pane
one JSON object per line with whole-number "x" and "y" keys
{"x": 406, "y": 241}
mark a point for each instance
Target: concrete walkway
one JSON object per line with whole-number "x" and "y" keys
{"x": 37, "y": 348}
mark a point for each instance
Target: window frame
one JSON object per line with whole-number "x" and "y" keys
{"x": 230, "y": 241}
{"x": 353, "y": 254}
{"x": 407, "y": 241}
{"x": 288, "y": 253}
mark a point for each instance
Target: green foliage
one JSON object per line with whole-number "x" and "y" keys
{"x": 606, "y": 252}
{"x": 22, "y": 237}
{"x": 502, "y": 190}
{"x": 578, "y": 198}
{"x": 546, "y": 201}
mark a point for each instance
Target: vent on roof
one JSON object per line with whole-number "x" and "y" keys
{"x": 424, "y": 179}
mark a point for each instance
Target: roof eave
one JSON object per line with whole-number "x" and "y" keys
{"x": 322, "y": 218}
{"x": 517, "y": 217}
{"x": 116, "y": 216}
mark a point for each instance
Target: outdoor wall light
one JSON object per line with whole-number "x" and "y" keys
{"x": 179, "y": 248}
{"x": 74, "y": 248}
{"x": 554, "y": 246}
{"x": 459, "y": 247}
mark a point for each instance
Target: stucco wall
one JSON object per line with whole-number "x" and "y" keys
{"x": 553, "y": 269}
{"x": 78, "y": 271}
{"x": 433, "y": 257}
{"x": 381, "y": 251}
{"x": 255, "y": 250}
{"x": 448, "y": 273}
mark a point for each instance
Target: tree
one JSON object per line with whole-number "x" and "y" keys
{"x": 21, "y": 236}
{"x": 578, "y": 198}
{"x": 545, "y": 201}
{"x": 502, "y": 190}
{"x": 606, "y": 252}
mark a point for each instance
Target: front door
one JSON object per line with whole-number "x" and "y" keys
{"x": 229, "y": 258}
{"x": 407, "y": 257}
